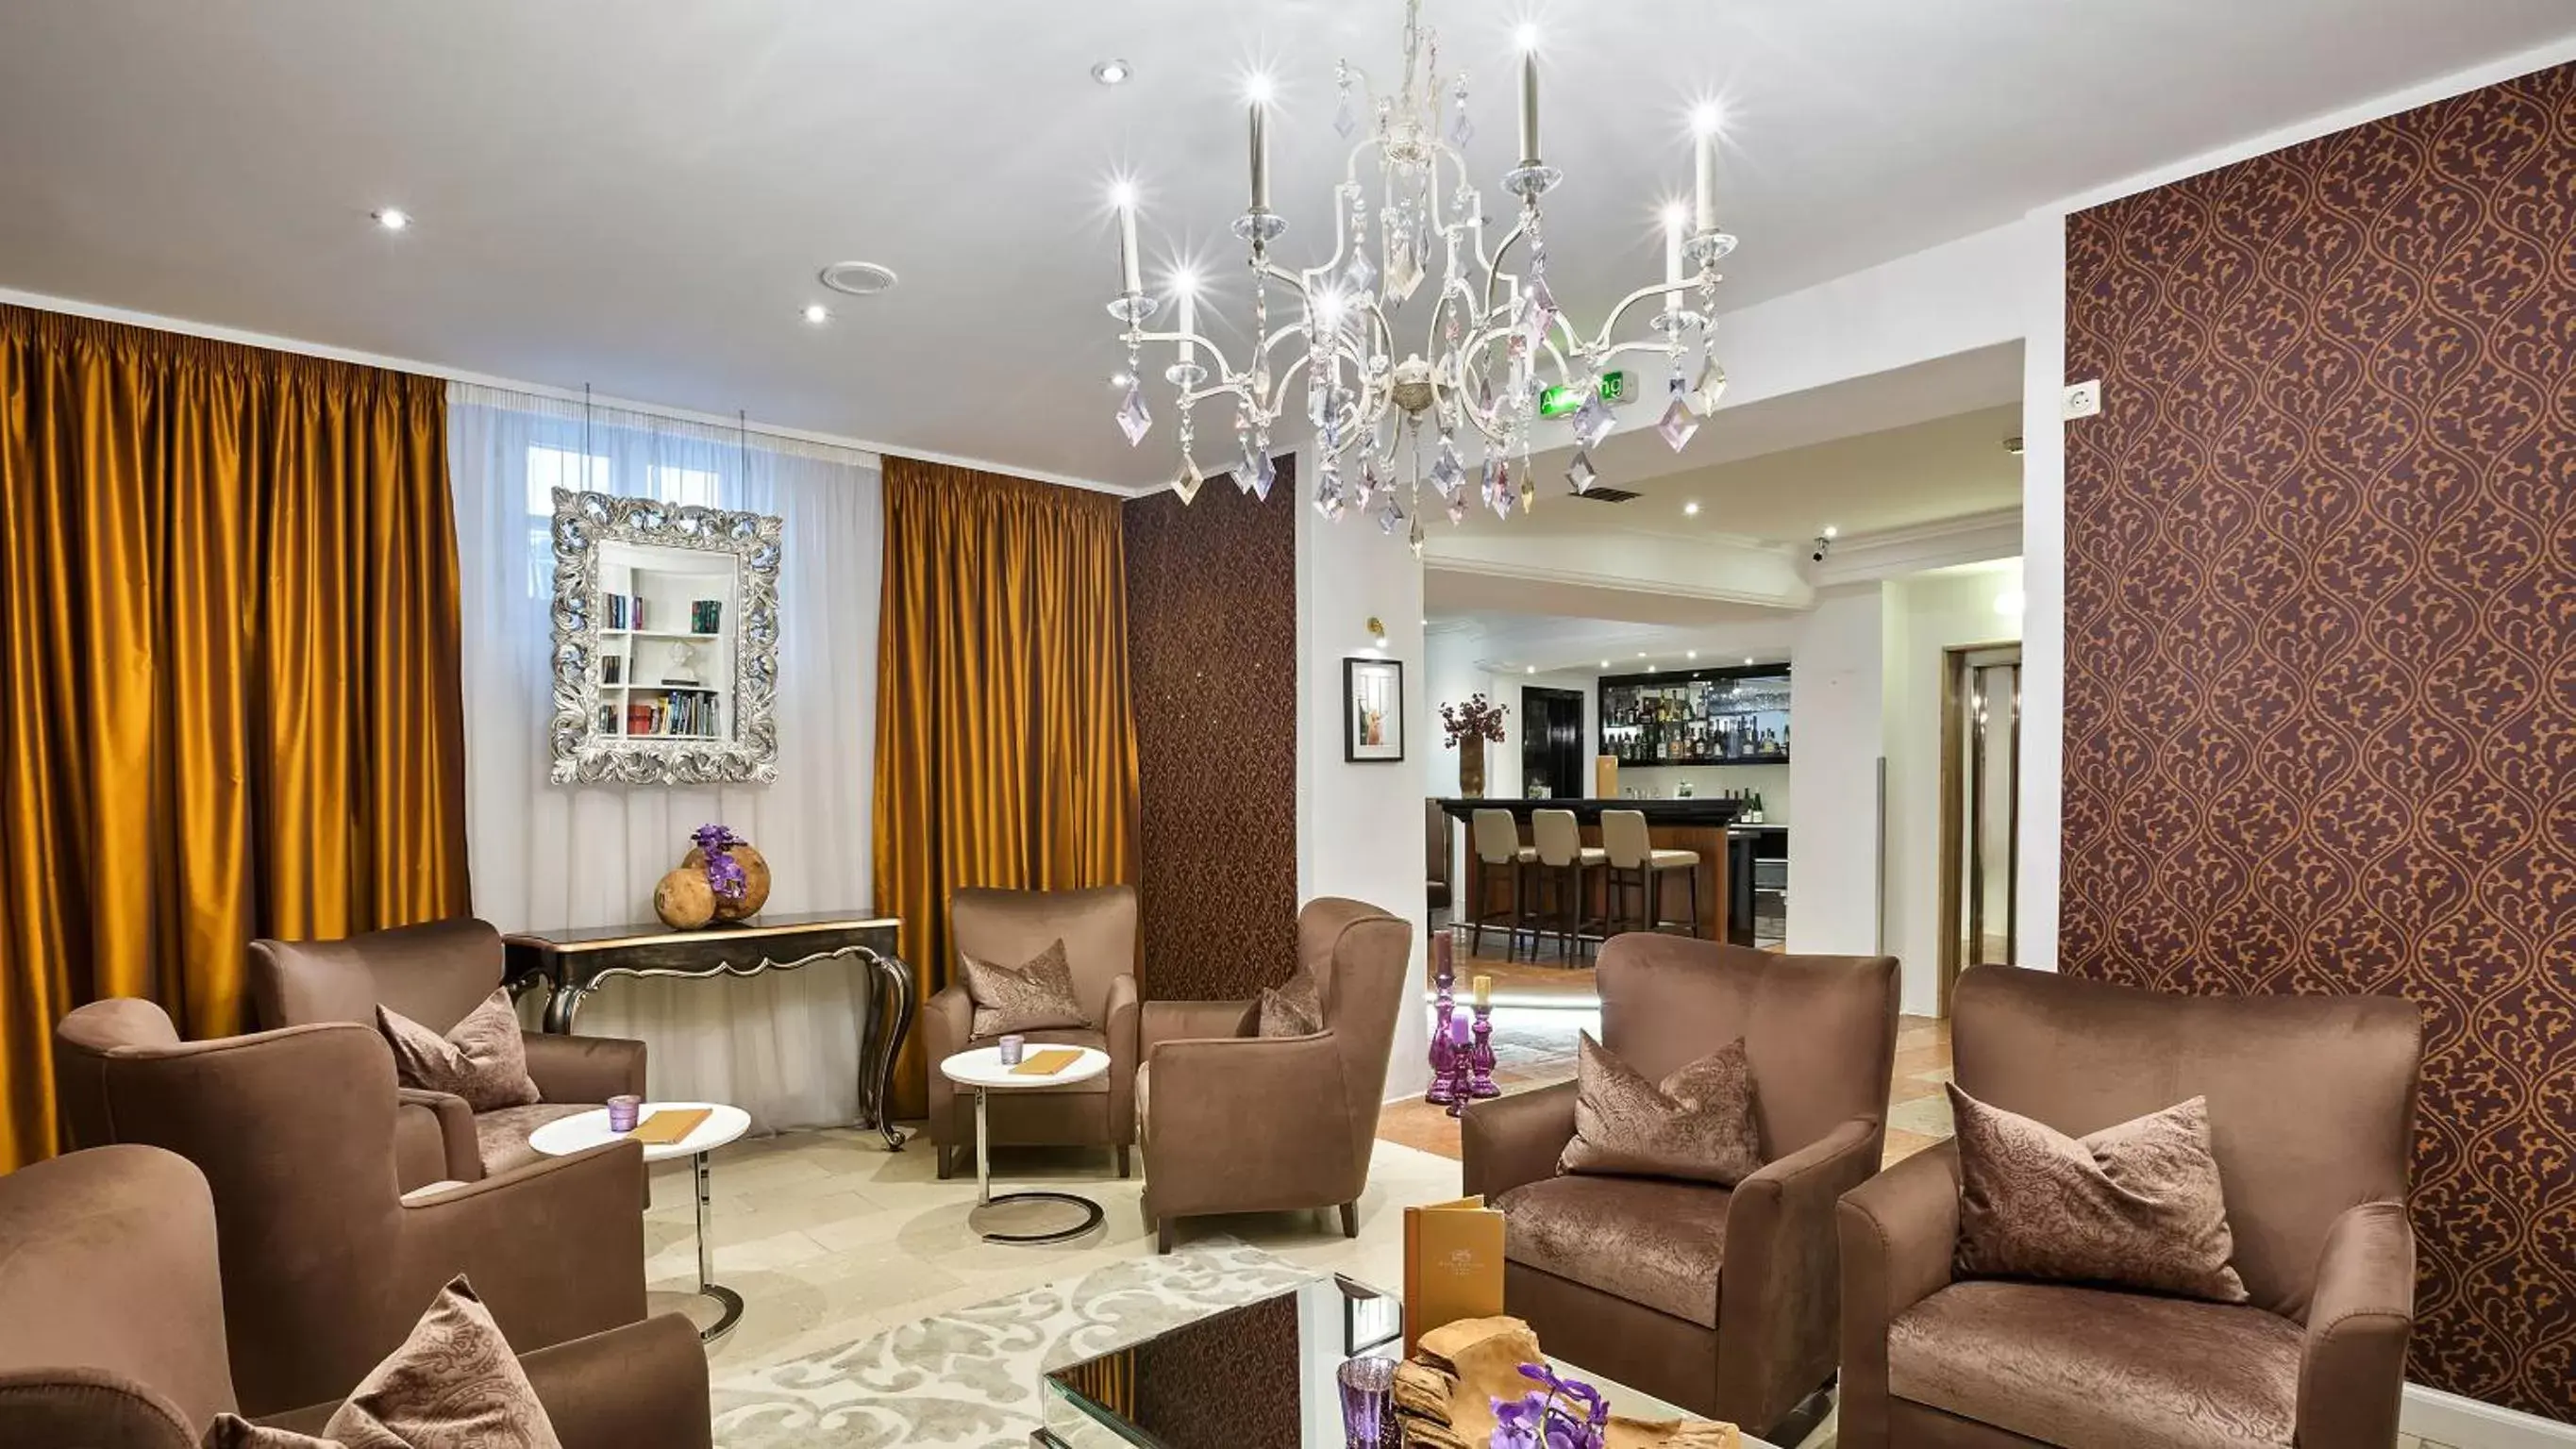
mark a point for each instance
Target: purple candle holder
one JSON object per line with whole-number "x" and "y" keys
{"x": 1444, "y": 1008}
{"x": 622, "y": 1113}
{"x": 1444, "y": 1066}
{"x": 1368, "y": 1403}
{"x": 1461, "y": 1083}
{"x": 1013, "y": 1048}
{"x": 1480, "y": 1057}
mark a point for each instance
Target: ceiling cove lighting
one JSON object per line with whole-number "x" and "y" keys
{"x": 394, "y": 218}
{"x": 1461, "y": 383}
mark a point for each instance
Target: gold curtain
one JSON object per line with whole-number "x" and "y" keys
{"x": 229, "y": 677}
{"x": 1006, "y": 747}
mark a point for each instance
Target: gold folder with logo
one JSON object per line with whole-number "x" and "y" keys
{"x": 1453, "y": 1265}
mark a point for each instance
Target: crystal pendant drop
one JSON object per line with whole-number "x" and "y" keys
{"x": 1361, "y": 273}
{"x": 1529, "y": 489}
{"x": 1592, "y": 421}
{"x": 1457, "y": 504}
{"x": 1498, "y": 488}
{"x": 1461, "y": 130}
{"x": 1446, "y": 475}
{"x": 1679, "y": 421}
{"x": 1580, "y": 472}
{"x": 1711, "y": 387}
{"x": 1391, "y": 515}
{"x": 1403, "y": 270}
{"x": 1345, "y": 118}
{"x": 1366, "y": 491}
{"x": 1413, "y": 539}
{"x": 1264, "y": 473}
{"x": 1328, "y": 494}
{"x": 1186, "y": 482}
{"x": 1133, "y": 420}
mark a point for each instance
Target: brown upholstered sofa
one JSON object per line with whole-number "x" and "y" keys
{"x": 112, "y": 1324}
{"x": 1233, "y": 1122}
{"x": 1722, "y": 1302}
{"x": 2311, "y": 1108}
{"x": 326, "y": 1264}
{"x": 1007, "y": 928}
{"x": 434, "y": 974}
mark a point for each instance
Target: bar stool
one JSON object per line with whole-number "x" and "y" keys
{"x": 1497, "y": 839}
{"x": 1564, "y": 862}
{"x": 1635, "y": 864}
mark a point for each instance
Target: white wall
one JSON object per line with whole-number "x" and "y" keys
{"x": 1930, "y": 613}
{"x": 1359, "y": 826}
{"x": 1836, "y": 704}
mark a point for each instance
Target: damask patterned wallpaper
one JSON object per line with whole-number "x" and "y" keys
{"x": 1212, "y": 665}
{"x": 2321, "y": 644}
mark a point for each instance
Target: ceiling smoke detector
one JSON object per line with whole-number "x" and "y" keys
{"x": 858, "y": 279}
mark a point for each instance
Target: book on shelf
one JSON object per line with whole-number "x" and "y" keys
{"x": 706, "y": 616}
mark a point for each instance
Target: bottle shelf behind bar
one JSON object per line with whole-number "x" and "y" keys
{"x": 1696, "y": 717}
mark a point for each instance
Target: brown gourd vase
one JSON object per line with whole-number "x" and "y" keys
{"x": 755, "y": 883}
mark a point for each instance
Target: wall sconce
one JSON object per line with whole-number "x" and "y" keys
{"x": 1377, "y": 630}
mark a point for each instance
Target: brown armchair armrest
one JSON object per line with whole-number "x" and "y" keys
{"x": 555, "y": 1249}
{"x": 947, "y": 1024}
{"x": 1781, "y": 1313}
{"x": 1210, "y": 1096}
{"x": 1120, "y": 1026}
{"x": 1510, "y": 1140}
{"x": 584, "y": 1068}
{"x": 1162, "y": 1021}
{"x": 2352, "y": 1369}
{"x": 1899, "y": 1231}
{"x": 461, "y": 1153}
{"x": 643, "y": 1386}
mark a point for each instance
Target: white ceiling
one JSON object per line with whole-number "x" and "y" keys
{"x": 639, "y": 196}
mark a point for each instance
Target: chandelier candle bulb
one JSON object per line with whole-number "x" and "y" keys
{"x": 1130, "y": 274}
{"x": 1705, "y": 193}
{"x": 1529, "y": 107}
{"x": 1673, "y": 259}
{"x": 1189, "y": 322}
{"x": 1260, "y": 157}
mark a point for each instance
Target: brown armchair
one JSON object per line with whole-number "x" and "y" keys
{"x": 112, "y": 1325}
{"x": 2311, "y": 1107}
{"x": 1722, "y": 1302}
{"x": 1005, "y": 928}
{"x": 326, "y": 1263}
{"x": 1237, "y": 1123}
{"x": 435, "y": 973}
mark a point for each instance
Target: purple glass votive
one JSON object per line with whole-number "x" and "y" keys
{"x": 1368, "y": 1403}
{"x": 622, "y": 1112}
{"x": 1012, "y": 1047}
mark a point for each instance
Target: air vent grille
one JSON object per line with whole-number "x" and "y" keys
{"x": 1602, "y": 494}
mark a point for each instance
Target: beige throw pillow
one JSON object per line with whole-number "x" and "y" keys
{"x": 1032, "y": 997}
{"x": 1295, "y": 1008}
{"x": 453, "y": 1383}
{"x": 2137, "y": 1205}
{"x": 1697, "y": 1124}
{"x": 481, "y": 1059}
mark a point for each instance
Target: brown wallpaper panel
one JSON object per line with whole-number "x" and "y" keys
{"x": 1212, "y": 662}
{"x": 2321, "y": 644}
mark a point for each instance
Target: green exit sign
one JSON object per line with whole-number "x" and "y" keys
{"x": 1556, "y": 402}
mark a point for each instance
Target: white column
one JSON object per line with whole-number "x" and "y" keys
{"x": 1837, "y": 710}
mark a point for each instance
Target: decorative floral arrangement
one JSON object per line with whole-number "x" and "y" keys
{"x": 1479, "y": 718}
{"x": 724, "y": 873}
{"x": 1562, "y": 1414}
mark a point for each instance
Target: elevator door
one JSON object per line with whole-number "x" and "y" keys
{"x": 1982, "y": 816}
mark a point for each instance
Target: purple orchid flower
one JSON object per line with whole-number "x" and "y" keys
{"x": 1564, "y": 1413}
{"x": 724, "y": 873}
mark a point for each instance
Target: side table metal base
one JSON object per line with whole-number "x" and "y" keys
{"x": 724, "y": 1298}
{"x": 1091, "y": 1216}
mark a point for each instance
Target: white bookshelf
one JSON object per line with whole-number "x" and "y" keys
{"x": 667, "y": 585}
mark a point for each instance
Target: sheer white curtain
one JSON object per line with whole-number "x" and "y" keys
{"x": 784, "y": 1046}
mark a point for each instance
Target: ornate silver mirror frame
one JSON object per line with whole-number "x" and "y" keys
{"x": 745, "y": 747}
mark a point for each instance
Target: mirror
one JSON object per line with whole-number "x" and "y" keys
{"x": 666, "y": 642}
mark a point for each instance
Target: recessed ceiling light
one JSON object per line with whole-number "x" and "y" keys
{"x": 1112, "y": 72}
{"x": 817, "y": 313}
{"x": 1831, "y": 531}
{"x": 858, "y": 279}
{"x": 1641, "y": 653}
{"x": 1529, "y": 669}
{"x": 1651, "y": 668}
{"x": 1748, "y": 658}
{"x": 393, "y": 218}
{"x": 1690, "y": 654}
{"x": 1691, "y": 509}
{"x": 1605, "y": 663}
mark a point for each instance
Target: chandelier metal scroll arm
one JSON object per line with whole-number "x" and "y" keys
{"x": 1208, "y": 344}
{"x": 1601, "y": 343}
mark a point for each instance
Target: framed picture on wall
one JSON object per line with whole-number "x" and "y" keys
{"x": 1372, "y": 709}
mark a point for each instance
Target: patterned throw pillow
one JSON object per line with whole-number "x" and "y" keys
{"x": 2137, "y": 1205}
{"x": 1023, "y": 998}
{"x": 1696, "y": 1125}
{"x": 453, "y": 1382}
{"x": 1293, "y": 1009}
{"x": 481, "y": 1059}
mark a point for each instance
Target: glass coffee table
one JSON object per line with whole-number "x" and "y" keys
{"x": 1258, "y": 1375}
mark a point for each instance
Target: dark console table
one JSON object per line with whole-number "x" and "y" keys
{"x": 570, "y": 964}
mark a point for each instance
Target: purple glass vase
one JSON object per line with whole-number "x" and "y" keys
{"x": 1368, "y": 1403}
{"x": 1444, "y": 1007}
{"x": 1480, "y": 1057}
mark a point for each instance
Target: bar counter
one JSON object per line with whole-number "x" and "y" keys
{"x": 1696, "y": 825}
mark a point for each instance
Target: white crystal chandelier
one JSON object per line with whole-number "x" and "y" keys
{"x": 1483, "y": 344}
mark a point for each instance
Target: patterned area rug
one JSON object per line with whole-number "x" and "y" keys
{"x": 971, "y": 1377}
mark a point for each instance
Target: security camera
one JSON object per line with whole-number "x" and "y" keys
{"x": 1824, "y": 545}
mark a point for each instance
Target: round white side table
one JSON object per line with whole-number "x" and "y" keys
{"x": 584, "y": 1130}
{"x": 982, "y": 1070}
